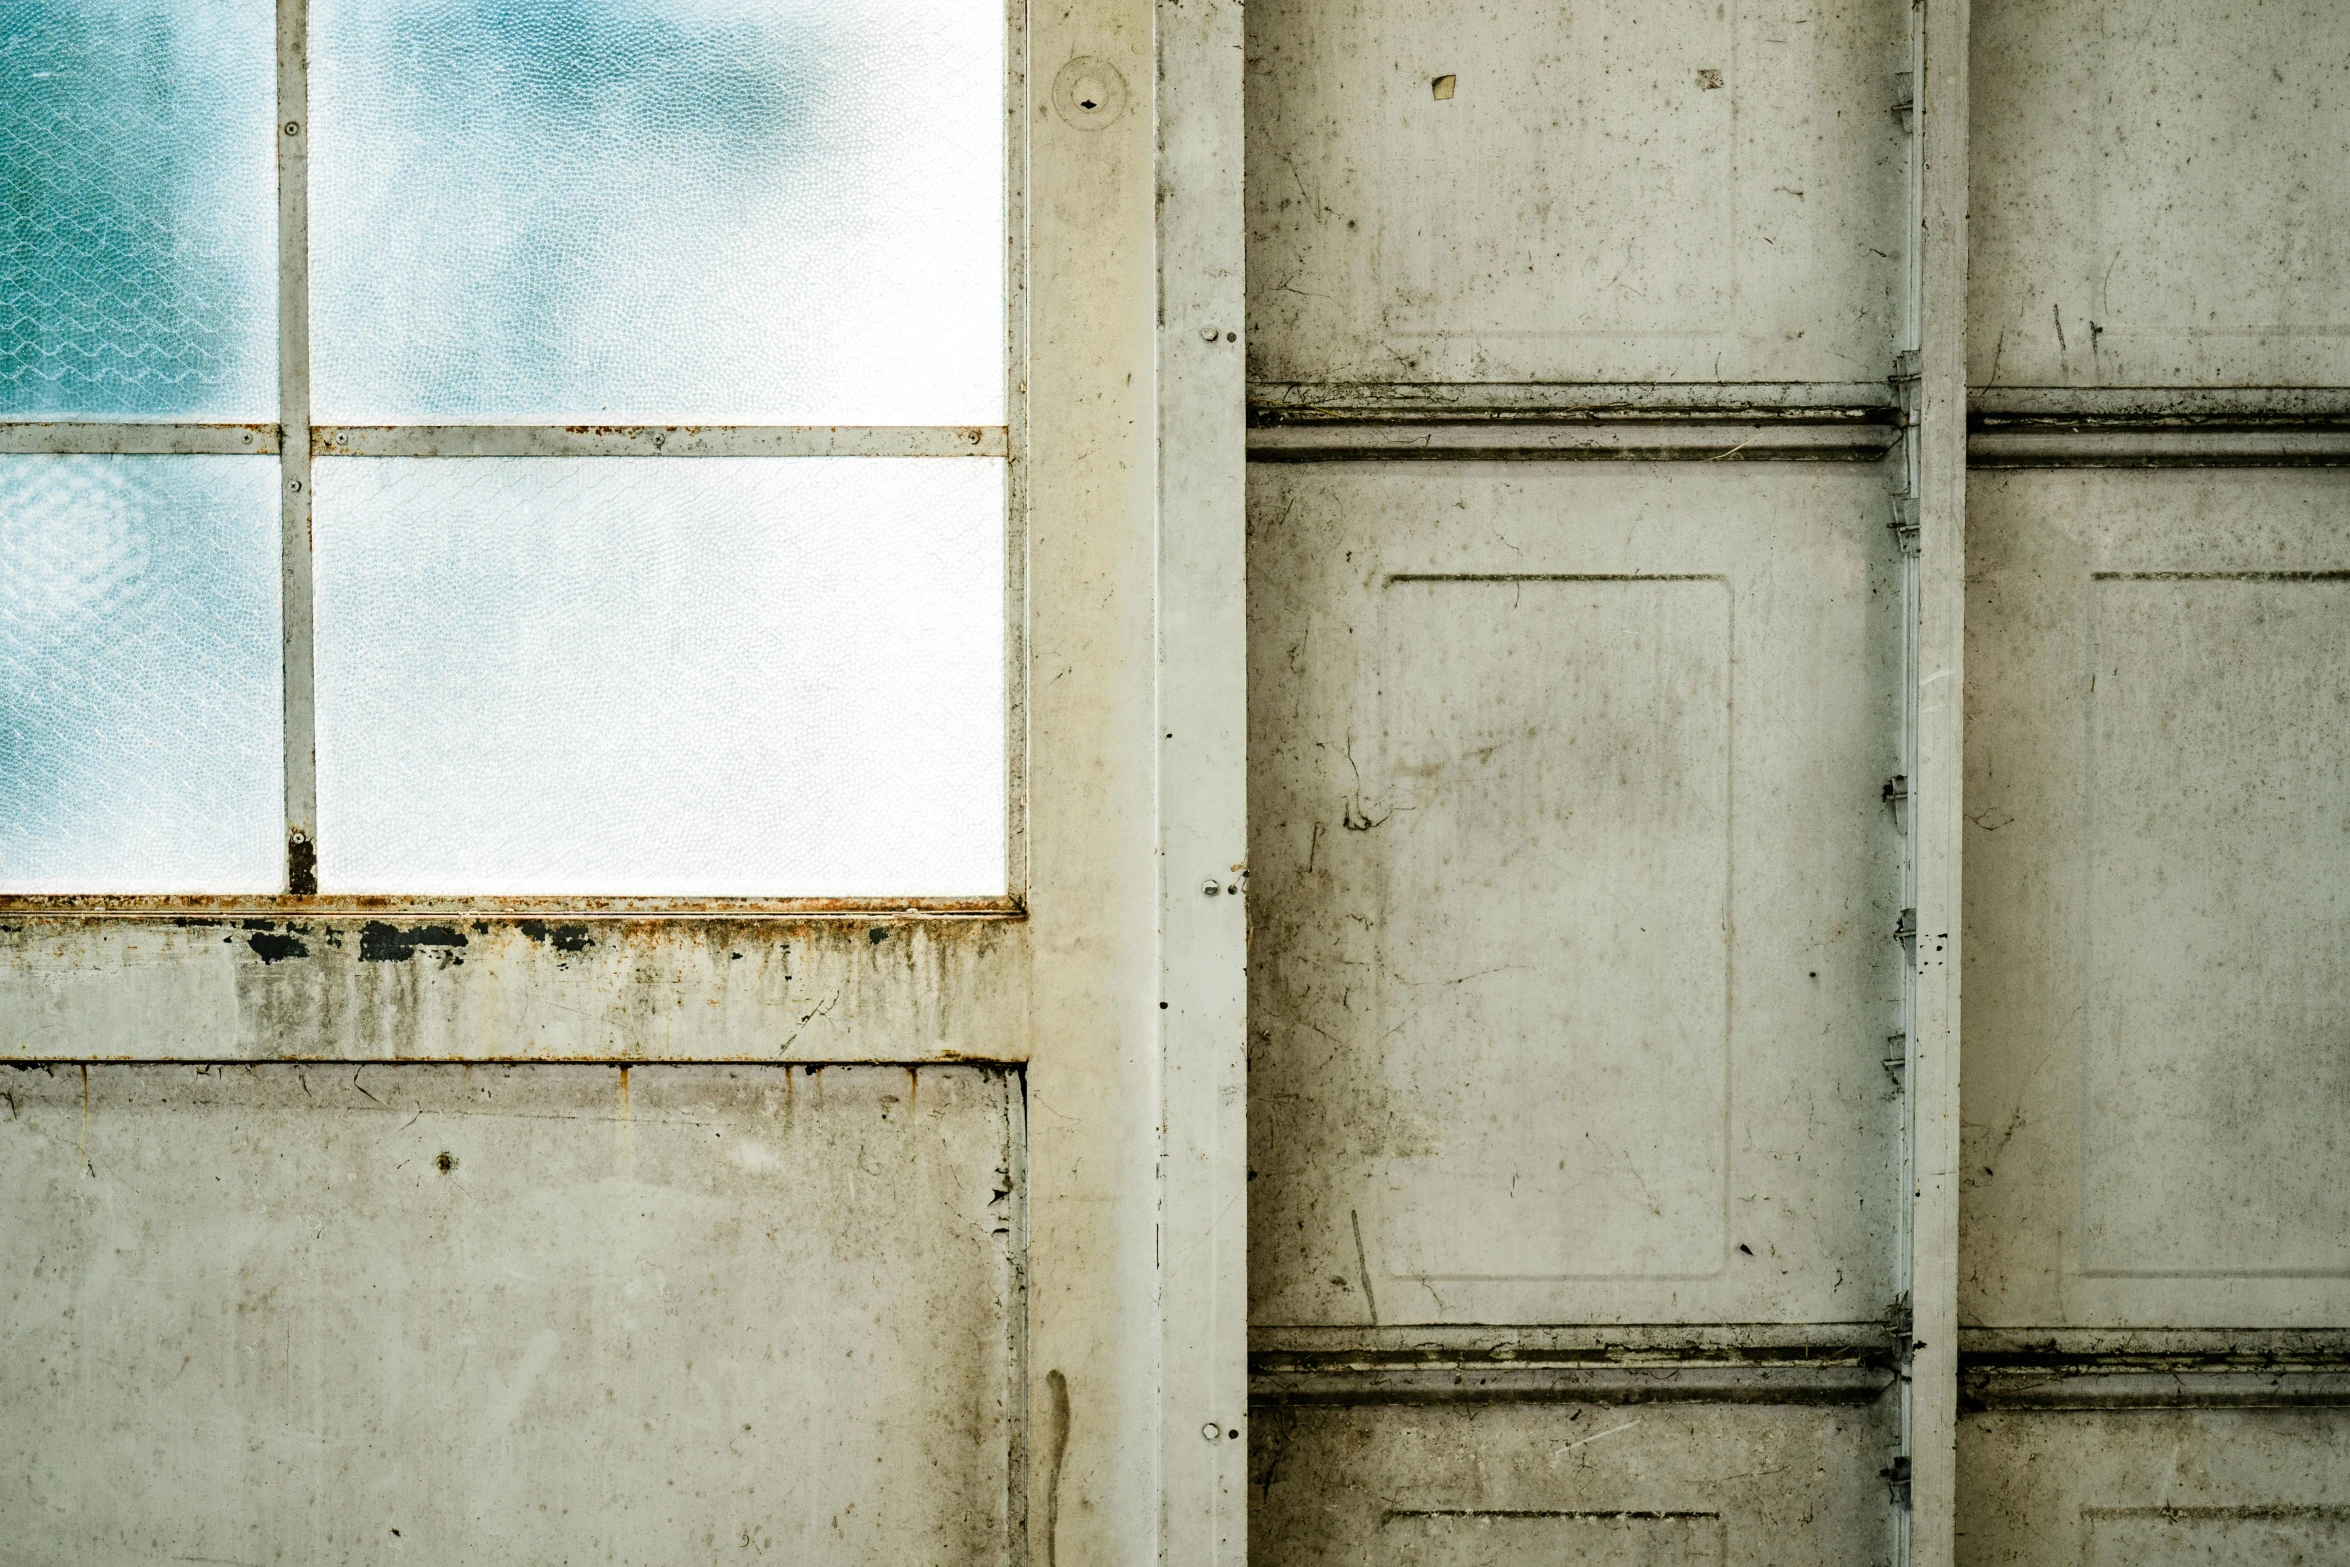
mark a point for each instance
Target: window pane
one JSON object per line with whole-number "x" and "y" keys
{"x": 745, "y": 676}
{"x": 138, "y": 242}
{"x": 139, "y": 658}
{"x": 663, "y": 211}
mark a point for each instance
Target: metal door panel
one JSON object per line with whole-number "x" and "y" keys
{"x": 2159, "y": 779}
{"x": 1608, "y": 1484}
{"x": 1599, "y": 192}
{"x": 1574, "y": 893}
{"x": 2158, "y": 197}
{"x": 2155, "y": 1488}
{"x": 532, "y": 1314}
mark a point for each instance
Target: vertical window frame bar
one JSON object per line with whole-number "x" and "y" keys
{"x": 293, "y": 379}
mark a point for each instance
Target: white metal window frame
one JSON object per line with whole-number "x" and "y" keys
{"x": 297, "y": 444}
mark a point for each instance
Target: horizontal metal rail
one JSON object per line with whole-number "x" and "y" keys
{"x": 1354, "y": 402}
{"x": 2082, "y": 1369}
{"x": 1538, "y": 1382}
{"x": 2179, "y": 446}
{"x": 1435, "y": 439}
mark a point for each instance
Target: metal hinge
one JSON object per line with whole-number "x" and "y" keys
{"x": 1905, "y": 99}
{"x": 1896, "y": 789}
{"x": 1896, "y": 1057}
{"x": 1896, "y": 1478}
{"x": 1908, "y": 365}
{"x": 1905, "y": 929}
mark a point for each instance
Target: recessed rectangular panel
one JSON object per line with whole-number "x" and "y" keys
{"x": 1544, "y": 1030}
{"x": 723, "y": 211}
{"x": 2158, "y": 810}
{"x": 473, "y": 1314}
{"x": 2190, "y": 228}
{"x": 1554, "y": 975}
{"x": 752, "y": 677}
{"x": 2218, "y": 925}
{"x": 1537, "y": 1539}
{"x": 138, "y": 264}
{"x": 143, "y": 709}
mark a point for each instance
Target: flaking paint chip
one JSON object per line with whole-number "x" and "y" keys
{"x": 1442, "y": 87}
{"x": 1709, "y": 78}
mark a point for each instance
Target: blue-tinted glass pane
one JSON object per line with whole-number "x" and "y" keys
{"x": 140, "y": 695}
{"x": 744, "y": 676}
{"x": 726, "y": 211}
{"x": 138, "y": 209}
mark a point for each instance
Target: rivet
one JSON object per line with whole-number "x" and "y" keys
{"x": 1209, "y": 334}
{"x": 1211, "y": 1431}
{"x": 1210, "y": 887}
{"x": 293, "y": 127}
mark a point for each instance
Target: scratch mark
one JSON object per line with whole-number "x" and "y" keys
{"x": 1593, "y": 1437}
{"x": 1363, "y": 1265}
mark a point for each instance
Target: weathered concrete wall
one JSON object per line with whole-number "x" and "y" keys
{"x": 529, "y": 1314}
{"x": 537, "y": 989}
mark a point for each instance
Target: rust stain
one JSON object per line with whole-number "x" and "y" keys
{"x": 187, "y": 909}
{"x": 1056, "y": 1449}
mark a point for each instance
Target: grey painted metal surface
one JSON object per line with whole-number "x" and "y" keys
{"x": 2157, "y": 193}
{"x": 527, "y": 1314}
{"x": 1663, "y": 192}
{"x": 1654, "y": 1486}
{"x": 2160, "y": 835}
{"x": 2154, "y": 1488}
{"x": 1574, "y": 893}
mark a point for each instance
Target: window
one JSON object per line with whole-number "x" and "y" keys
{"x": 506, "y": 447}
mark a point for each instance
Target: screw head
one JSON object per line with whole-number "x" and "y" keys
{"x": 1212, "y": 1431}
{"x": 1210, "y": 887}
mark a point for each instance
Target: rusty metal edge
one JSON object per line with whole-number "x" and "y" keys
{"x": 620, "y": 440}
{"x": 95, "y": 439}
{"x": 100, "y": 908}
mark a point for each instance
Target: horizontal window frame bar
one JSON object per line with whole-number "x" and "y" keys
{"x": 91, "y": 438}
{"x": 396, "y": 906}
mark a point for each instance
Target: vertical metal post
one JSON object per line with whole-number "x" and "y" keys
{"x": 1202, "y": 699}
{"x": 293, "y": 381}
{"x": 1937, "y": 443}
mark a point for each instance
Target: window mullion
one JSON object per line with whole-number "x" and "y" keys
{"x": 293, "y": 347}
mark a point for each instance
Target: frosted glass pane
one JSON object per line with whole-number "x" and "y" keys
{"x": 138, "y": 233}
{"x": 740, "y": 676}
{"x": 663, "y": 211}
{"x": 140, "y": 731}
